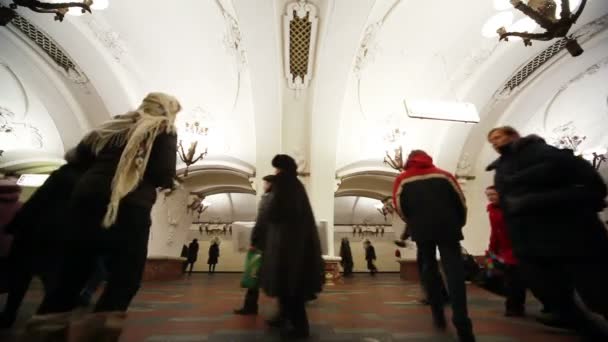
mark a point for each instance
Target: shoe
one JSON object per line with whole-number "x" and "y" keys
{"x": 295, "y": 334}
{"x": 439, "y": 321}
{"x": 47, "y": 327}
{"x": 466, "y": 335}
{"x": 100, "y": 326}
{"x": 6, "y": 321}
{"x": 275, "y": 322}
{"x": 515, "y": 313}
{"x": 424, "y": 301}
{"x": 400, "y": 243}
{"x": 246, "y": 312}
{"x": 555, "y": 321}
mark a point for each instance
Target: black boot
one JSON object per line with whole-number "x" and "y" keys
{"x": 6, "y": 320}
{"x": 245, "y": 311}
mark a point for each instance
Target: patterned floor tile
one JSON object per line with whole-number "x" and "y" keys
{"x": 368, "y": 309}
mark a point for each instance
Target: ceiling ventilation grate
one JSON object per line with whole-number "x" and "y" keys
{"x": 528, "y": 69}
{"x": 49, "y": 46}
{"x": 300, "y": 24}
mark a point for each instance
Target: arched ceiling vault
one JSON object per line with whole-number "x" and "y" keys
{"x": 225, "y": 58}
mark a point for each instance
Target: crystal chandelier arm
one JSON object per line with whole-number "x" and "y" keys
{"x": 565, "y": 13}
{"x": 201, "y": 156}
{"x": 525, "y": 35}
{"x": 38, "y": 6}
{"x": 537, "y": 17}
{"x": 181, "y": 152}
{"x": 578, "y": 13}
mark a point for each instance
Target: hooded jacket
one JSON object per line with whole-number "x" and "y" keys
{"x": 550, "y": 199}
{"x": 429, "y": 200}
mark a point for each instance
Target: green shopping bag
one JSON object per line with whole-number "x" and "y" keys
{"x": 253, "y": 261}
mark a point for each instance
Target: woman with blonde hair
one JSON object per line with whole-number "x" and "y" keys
{"x": 134, "y": 154}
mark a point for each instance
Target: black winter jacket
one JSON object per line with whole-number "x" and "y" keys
{"x": 550, "y": 199}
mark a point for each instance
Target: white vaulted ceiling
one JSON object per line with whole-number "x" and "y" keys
{"x": 225, "y": 59}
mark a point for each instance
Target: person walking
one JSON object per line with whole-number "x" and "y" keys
{"x": 134, "y": 154}
{"x": 258, "y": 240}
{"x": 38, "y": 230}
{"x": 347, "y": 257}
{"x": 370, "y": 257}
{"x": 193, "y": 248}
{"x": 292, "y": 266}
{"x": 432, "y": 204}
{"x": 184, "y": 254}
{"x": 214, "y": 255}
{"x": 500, "y": 246}
{"x": 550, "y": 200}
{"x": 9, "y": 206}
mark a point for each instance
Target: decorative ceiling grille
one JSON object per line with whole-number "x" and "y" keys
{"x": 49, "y": 46}
{"x": 299, "y": 44}
{"x": 300, "y": 24}
{"x": 528, "y": 69}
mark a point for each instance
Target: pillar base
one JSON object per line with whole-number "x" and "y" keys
{"x": 332, "y": 269}
{"x": 163, "y": 268}
{"x": 408, "y": 269}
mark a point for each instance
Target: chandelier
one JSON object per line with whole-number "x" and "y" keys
{"x": 394, "y": 149}
{"x": 596, "y": 156}
{"x": 543, "y": 12}
{"x": 567, "y": 137}
{"x": 59, "y": 9}
{"x": 190, "y": 134}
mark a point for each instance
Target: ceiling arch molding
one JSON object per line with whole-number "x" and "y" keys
{"x": 40, "y": 79}
{"x": 361, "y": 193}
{"x": 115, "y": 84}
{"x": 221, "y": 189}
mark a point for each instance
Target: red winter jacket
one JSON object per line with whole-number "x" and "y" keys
{"x": 500, "y": 242}
{"x": 429, "y": 200}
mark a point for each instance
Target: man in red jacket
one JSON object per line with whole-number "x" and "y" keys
{"x": 500, "y": 246}
{"x": 432, "y": 204}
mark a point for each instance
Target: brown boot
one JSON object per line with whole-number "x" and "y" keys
{"x": 46, "y": 328}
{"x": 97, "y": 327}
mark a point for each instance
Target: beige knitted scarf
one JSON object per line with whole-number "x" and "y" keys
{"x": 136, "y": 131}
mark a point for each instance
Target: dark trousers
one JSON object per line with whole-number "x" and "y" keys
{"x": 21, "y": 270}
{"x": 444, "y": 292}
{"x": 293, "y": 309}
{"x": 251, "y": 299}
{"x": 184, "y": 266}
{"x": 97, "y": 278}
{"x": 453, "y": 266}
{"x": 124, "y": 244}
{"x": 556, "y": 282}
{"x": 191, "y": 267}
{"x": 212, "y": 268}
{"x": 515, "y": 288}
{"x": 371, "y": 266}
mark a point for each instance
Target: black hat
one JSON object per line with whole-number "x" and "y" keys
{"x": 285, "y": 163}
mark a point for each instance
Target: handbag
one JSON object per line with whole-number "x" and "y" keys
{"x": 253, "y": 261}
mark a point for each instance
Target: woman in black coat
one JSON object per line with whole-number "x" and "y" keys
{"x": 37, "y": 230}
{"x": 214, "y": 255}
{"x": 347, "y": 257}
{"x": 110, "y": 207}
{"x": 292, "y": 267}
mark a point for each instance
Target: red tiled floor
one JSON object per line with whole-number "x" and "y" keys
{"x": 382, "y": 308}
